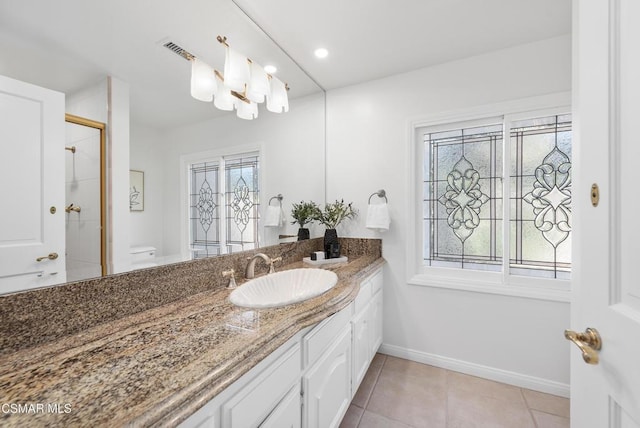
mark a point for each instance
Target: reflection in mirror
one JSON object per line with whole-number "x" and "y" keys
{"x": 109, "y": 60}
{"x": 85, "y": 203}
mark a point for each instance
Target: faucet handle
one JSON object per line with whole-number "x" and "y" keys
{"x": 232, "y": 279}
{"x": 271, "y": 268}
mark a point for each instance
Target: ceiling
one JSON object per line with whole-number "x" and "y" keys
{"x": 68, "y": 45}
{"x": 372, "y": 39}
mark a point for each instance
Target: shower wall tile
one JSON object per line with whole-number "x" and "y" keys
{"x": 85, "y": 162}
{"x": 77, "y": 270}
{"x": 83, "y": 241}
{"x": 82, "y": 189}
{"x": 78, "y": 132}
{"x": 86, "y": 195}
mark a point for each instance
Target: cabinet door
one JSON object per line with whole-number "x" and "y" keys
{"x": 375, "y": 310}
{"x": 327, "y": 385}
{"x": 251, "y": 406}
{"x": 287, "y": 413}
{"x": 362, "y": 335}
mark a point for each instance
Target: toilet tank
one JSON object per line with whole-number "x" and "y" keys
{"x": 142, "y": 254}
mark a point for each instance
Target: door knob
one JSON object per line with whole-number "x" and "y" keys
{"x": 589, "y": 343}
{"x": 51, "y": 256}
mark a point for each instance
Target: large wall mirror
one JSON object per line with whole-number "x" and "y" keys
{"x": 110, "y": 61}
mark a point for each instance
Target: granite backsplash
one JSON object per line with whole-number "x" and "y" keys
{"x": 39, "y": 316}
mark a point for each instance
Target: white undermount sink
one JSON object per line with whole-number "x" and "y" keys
{"x": 283, "y": 288}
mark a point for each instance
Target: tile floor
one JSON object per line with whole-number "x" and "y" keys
{"x": 397, "y": 393}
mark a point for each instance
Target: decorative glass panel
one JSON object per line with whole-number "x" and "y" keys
{"x": 224, "y": 205}
{"x": 463, "y": 198}
{"x": 541, "y": 197}
{"x": 204, "y": 209}
{"x": 242, "y": 195}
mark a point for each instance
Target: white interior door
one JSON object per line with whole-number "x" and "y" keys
{"x": 607, "y": 237}
{"x": 32, "y": 133}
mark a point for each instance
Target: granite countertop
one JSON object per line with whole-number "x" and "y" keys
{"x": 160, "y": 365}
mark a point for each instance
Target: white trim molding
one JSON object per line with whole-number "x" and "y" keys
{"x": 494, "y": 287}
{"x": 511, "y": 378}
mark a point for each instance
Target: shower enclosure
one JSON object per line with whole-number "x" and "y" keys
{"x": 84, "y": 198}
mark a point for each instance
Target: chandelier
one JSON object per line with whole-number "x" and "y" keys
{"x": 243, "y": 85}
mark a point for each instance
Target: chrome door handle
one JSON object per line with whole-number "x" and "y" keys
{"x": 51, "y": 256}
{"x": 589, "y": 343}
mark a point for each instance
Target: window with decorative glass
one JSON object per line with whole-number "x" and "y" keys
{"x": 466, "y": 197}
{"x": 223, "y": 205}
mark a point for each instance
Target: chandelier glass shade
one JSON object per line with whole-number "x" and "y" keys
{"x": 243, "y": 86}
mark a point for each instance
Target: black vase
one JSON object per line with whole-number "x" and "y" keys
{"x": 303, "y": 233}
{"x": 331, "y": 244}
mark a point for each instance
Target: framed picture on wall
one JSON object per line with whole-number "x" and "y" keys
{"x": 136, "y": 190}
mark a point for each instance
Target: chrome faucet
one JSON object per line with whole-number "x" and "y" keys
{"x": 250, "y": 270}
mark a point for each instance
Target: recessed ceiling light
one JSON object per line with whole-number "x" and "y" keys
{"x": 270, "y": 69}
{"x": 321, "y": 53}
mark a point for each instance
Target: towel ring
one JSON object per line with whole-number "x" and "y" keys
{"x": 279, "y": 197}
{"x": 381, "y": 194}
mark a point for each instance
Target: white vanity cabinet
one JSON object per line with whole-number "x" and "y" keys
{"x": 268, "y": 395}
{"x": 310, "y": 380}
{"x": 262, "y": 396}
{"x": 361, "y": 330}
{"x": 287, "y": 413}
{"x": 366, "y": 327}
{"x": 326, "y": 385}
{"x": 376, "y": 312}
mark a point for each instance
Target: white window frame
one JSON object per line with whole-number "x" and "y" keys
{"x": 185, "y": 183}
{"x": 502, "y": 283}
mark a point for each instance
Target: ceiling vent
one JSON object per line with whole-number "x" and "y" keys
{"x": 179, "y": 51}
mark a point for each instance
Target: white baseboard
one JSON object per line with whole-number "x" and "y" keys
{"x": 498, "y": 375}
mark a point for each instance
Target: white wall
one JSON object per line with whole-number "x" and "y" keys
{"x": 90, "y": 103}
{"x": 293, "y": 160}
{"x": 513, "y": 339}
{"x": 147, "y": 227}
{"x": 118, "y": 175}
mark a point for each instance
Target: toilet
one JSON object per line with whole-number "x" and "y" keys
{"x": 143, "y": 257}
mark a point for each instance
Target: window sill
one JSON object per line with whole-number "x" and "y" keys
{"x": 491, "y": 287}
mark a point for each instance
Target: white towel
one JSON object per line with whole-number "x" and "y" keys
{"x": 274, "y": 217}
{"x": 378, "y": 217}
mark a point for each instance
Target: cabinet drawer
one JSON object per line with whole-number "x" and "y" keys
{"x": 250, "y": 406}
{"x": 317, "y": 340}
{"x": 368, "y": 288}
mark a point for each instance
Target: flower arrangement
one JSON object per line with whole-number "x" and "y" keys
{"x": 304, "y": 212}
{"x": 334, "y": 213}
